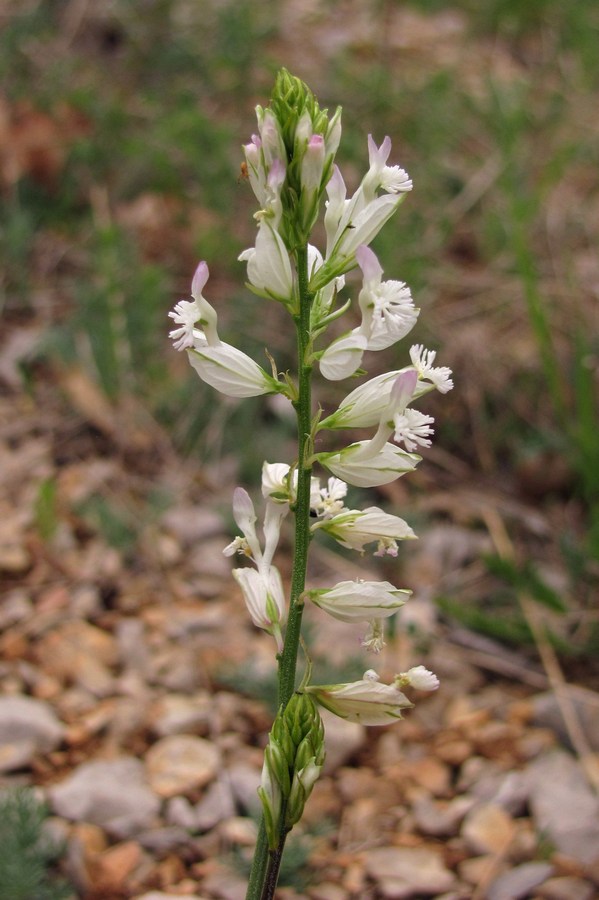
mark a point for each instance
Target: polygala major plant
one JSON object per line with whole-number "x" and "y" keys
{"x": 291, "y": 168}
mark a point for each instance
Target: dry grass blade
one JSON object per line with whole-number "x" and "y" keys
{"x": 557, "y": 681}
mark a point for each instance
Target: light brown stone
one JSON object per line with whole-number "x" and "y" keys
{"x": 180, "y": 763}
{"x": 488, "y": 829}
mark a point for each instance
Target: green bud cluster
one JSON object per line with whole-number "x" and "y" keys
{"x": 291, "y": 98}
{"x": 293, "y": 761}
{"x": 299, "y": 117}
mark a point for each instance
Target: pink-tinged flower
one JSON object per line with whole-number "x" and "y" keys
{"x": 343, "y": 357}
{"x": 391, "y": 179}
{"x": 366, "y": 701}
{"x": 356, "y": 528}
{"x": 388, "y": 311}
{"x": 312, "y": 165}
{"x": 273, "y": 145}
{"x": 187, "y": 314}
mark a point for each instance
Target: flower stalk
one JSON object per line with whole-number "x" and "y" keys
{"x": 291, "y": 169}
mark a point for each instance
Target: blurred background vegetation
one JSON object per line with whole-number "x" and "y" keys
{"x": 121, "y": 124}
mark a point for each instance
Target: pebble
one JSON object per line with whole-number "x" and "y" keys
{"x": 406, "y": 872}
{"x": 342, "y": 740}
{"x": 509, "y": 790}
{"x": 15, "y": 607}
{"x": 244, "y": 781}
{"x": 328, "y": 891}
{"x": 218, "y": 803}
{"x": 519, "y": 882}
{"x": 564, "y": 807}
{"x": 239, "y": 830}
{"x": 180, "y": 713}
{"x": 488, "y": 829}
{"x": 567, "y": 887}
{"x": 440, "y": 819}
{"x": 547, "y": 712}
{"x": 180, "y": 763}
{"x": 27, "y": 727}
{"x": 159, "y": 895}
{"x": 193, "y": 524}
{"x": 113, "y": 794}
{"x": 79, "y": 652}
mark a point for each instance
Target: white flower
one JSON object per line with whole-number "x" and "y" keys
{"x": 365, "y": 405}
{"x": 275, "y": 481}
{"x": 355, "y": 528}
{"x": 367, "y": 701}
{"x": 264, "y": 598}
{"x": 359, "y": 601}
{"x": 364, "y": 227}
{"x": 273, "y": 145}
{"x": 374, "y": 639}
{"x": 278, "y": 487}
{"x": 419, "y": 678}
{"x": 312, "y": 164}
{"x": 197, "y": 311}
{"x": 357, "y": 467}
{"x": 412, "y": 428}
{"x": 423, "y": 360}
{"x": 229, "y": 370}
{"x": 343, "y": 356}
{"x": 388, "y": 312}
{"x": 268, "y": 265}
{"x": 392, "y": 179}
{"x": 256, "y": 169}
{"x": 186, "y": 313}
{"x": 328, "y": 501}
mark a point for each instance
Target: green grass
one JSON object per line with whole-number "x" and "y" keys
{"x": 27, "y": 855}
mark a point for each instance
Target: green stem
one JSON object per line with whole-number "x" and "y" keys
{"x": 303, "y": 407}
{"x": 265, "y": 865}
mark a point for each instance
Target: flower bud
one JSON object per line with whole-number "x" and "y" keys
{"x": 292, "y": 763}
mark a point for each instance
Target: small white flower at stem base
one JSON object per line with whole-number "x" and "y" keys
{"x": 367, "y": 701}
{"x": 419, "y": 678}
